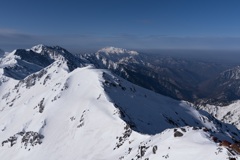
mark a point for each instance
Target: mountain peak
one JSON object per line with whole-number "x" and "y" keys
{"x": 118, "y": 51}
{"x": 38, "y": 48}
{"x": 23, "y": 62}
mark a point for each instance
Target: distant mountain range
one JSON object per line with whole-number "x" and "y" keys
{"x": 196, "y": 81}
{"x": 224, "y": 88}
{"x": 58, "y": 106}
{"x": 182, "y": 79}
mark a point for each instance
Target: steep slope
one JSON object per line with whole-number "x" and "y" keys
{"x": 92, "y": 114}
{"x": 228, "y": 114}
{"x": 22, "y": 62}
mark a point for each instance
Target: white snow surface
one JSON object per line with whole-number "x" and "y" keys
{"x": 118, "y": 51}
{"x": 8, "y": 60}
{"x": 86, "y": 114}
{"x": 38, "y": 48}
{"x": 112, "y": 57}
{"x": 228, "y": 114}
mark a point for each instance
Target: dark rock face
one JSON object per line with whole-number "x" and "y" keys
{"x": 178, "y": 134}
{"x": 236, "y": 147}
{"x": 42, "y": 60}
{"x": 154, "y": 150}
{"x": 28, "y": 62}
{"x": 41, "y": 106}
{"x": 126, "y": 134}
{"x": 31, "y": 138}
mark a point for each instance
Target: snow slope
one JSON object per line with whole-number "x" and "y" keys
{"x": 228, "y": 114}
{"x": 89, "y": 113}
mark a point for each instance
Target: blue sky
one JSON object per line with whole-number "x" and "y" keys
{"x": 136, "y": 24}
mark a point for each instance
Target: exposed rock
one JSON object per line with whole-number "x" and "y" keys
{"x": 41, "y": 106}
{"x": 225, "y": 143}
{"x": 27, "y": 138}
{"x": 178, "y": 134}
{"x": 154, "y": 149}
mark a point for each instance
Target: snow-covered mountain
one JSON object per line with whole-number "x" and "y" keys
{"x": 112, "y": 58}
{"x": 174, "y": 77}
{"x": 23, "y": 62}
{"x": 228, "y": 114}
{"x": 88, "y": 113}
{"x": 116, "y": 51}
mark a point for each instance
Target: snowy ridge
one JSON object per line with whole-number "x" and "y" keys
{"x": 113, "y": 58}
{"x": 8, "y": 60}
{"x": 89, "y": 113}
{"x": 23, "y": 62}
{"x": 54, "y": 53}
{"x": 38, "y": 48}
{"x": 228, "y": 114}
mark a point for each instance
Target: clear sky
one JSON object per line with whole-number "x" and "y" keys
{"x": 136, "y": 24}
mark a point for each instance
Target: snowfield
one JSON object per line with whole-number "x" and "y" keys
{"x": 92, "y": 114}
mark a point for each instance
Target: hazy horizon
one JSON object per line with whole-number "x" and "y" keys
{"x": 81, "y": 26}
{"x": 210, "y": 55}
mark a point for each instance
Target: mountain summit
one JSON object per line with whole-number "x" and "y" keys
{"x": 89, "y": 113}
{"x": 23, "y": 62}
{"x": 118, "y": 51}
